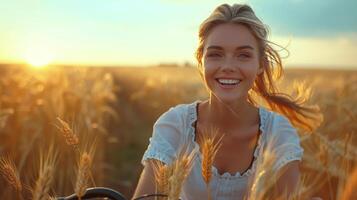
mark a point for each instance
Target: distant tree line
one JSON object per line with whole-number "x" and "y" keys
{"x": 186, "y": 64}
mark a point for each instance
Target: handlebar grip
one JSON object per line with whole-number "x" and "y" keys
{"x": 96, "y": 192}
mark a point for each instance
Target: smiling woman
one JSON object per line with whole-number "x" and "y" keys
{"x": 237, "y": 64}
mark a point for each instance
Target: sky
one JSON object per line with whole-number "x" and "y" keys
{"x": 317, "y": 33}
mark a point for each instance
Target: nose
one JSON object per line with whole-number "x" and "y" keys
{"x": 229, "y": 65}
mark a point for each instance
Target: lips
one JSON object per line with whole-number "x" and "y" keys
{"x": 225, "y": 81}
{"x": 228, "y": 83}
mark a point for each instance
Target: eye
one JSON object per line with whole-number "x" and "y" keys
{"x": 244, "y": 55}
{"x": 213, "y": 55}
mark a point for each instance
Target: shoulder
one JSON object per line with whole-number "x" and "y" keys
{"x": 180, "y": 114}
{"x": 282, "y": 139}
{"x": 276, "y": 123}
{"x": 175, "y": 122}
{"x": 279, "y": 130}
{"x": 169, "y": 133}
{"x": 282, "y": 123}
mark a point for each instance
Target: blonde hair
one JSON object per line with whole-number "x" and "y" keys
{"x": 300, "y": 115}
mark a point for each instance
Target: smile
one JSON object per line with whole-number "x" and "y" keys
{"x": 228, "y": 81}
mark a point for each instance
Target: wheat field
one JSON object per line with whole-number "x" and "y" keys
{"x": 65, "y": 129}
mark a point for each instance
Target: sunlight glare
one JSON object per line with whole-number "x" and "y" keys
{"x": 38, "y": 57}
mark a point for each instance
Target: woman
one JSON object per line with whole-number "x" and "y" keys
{"x": 236, "y": 63}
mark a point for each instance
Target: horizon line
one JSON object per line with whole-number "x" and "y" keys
{"x": 174, "y": 64}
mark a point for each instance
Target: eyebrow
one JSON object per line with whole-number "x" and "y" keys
{"x": 238, "y": 48}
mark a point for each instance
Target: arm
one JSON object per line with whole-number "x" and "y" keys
{"x": 146, "y": 183}
{"x": 289, "y": 178}
{"x": 288, "y": 151}
{"x": 162, "y": 149}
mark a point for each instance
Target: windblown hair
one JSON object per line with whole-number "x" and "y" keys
{"x": 300, "y": 115}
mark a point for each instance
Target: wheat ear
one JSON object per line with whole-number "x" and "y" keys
{"x": 162, "y": 174}
{"x": 351, "y": 184}
{"x": 181, "y": 168}
{"x": 265, "y": 176}
{"x": 70, "y": 137}
{"x": 209, "y": 144}
{"x": 83, "y": 174}
{"x": 45, "y": 176}
{"x": 10, "y": 174}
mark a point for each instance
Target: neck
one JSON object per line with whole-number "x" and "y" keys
{"x": 227, "y": 114}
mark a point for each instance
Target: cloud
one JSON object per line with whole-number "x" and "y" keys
{"x": 338, "y": 51}
{"x": 308, "y": 18}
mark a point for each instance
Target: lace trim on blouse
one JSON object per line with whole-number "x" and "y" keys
{"x": 193, "y": 117}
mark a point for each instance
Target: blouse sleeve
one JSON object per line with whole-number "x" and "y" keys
{"x": 286, "y": 142}
{"x": 165, "y": 137}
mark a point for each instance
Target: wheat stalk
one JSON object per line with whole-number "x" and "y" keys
{"x": 209, "y": 147}
{"x": 302, "y": 191}
{"x": 46, "y": 174}
{"x": 263, "y": 185}
{"x": 348, "y": 192}
{"x": 264, "y": 177}
{"x": 341, "y": 147}
{"x": 4, "y": 114}
{"x": 181, "y": 168}
{"x": 162, "y": 174}
{"x": 83, "y": 174}
{"x": 9, "y": 172}
{"x": 70, "y": 137}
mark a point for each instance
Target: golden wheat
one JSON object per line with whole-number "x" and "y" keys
{"x": 70, "y": 137}
{"x": 162, "y": 175}
{"x": 46, "y": 173}
{"x": 33, "y": 101}
{"x": 83, "y": 174}
{"x": 264, "y": 177}
{"x": 86, "y": 94}
{"x": 350, "y": 188}
{"x": 9, "y": 172}
{"x": 4, "y": 115}
{"x": 209, "y": 145}
{"x": 181, "y": 168}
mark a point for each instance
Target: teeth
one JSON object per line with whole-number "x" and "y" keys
{"x": 228, "y": 81}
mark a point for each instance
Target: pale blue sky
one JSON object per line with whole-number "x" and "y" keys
{"x": 124, "y": 32}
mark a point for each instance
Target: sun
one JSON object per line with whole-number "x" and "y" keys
{"x": 38, "y": 57}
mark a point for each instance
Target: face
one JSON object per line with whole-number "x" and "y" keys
{"x": 230, "y": 62}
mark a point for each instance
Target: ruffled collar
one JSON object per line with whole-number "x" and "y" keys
{"x": 192, "y": 112}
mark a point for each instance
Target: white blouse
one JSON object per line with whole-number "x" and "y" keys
{"x": 176, "y": 126}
